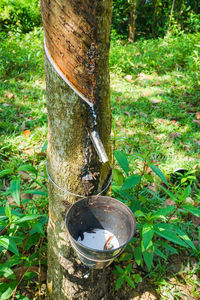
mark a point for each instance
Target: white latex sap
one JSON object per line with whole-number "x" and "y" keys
{"x": 99, "y": 239}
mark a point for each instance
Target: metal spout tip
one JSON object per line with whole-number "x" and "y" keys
{"x": 99, "y": 146}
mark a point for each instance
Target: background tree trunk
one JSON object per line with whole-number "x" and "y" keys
{"x": 171, "y": 14}
{"x": 73, "y": 163}
{"x": 133, "y": 16}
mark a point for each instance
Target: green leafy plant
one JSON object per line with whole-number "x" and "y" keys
{"x": 22, "y": 232}
{"x": 185, "y": 178}
{"x": 19, "y": 15}
{"x": 160, "y": 229}
{"x": 127, "y": 275}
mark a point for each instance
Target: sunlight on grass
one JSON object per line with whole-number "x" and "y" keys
{"x": 155, "y": 91}
{"x": 155, "y": 110}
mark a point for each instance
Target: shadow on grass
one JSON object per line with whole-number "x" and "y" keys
{"x": 161, "y": 123}
{"x": 21, "y": 108}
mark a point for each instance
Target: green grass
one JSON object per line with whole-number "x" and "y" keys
{"x": 153, "y": 109}
{"x": 22, "y": 99}
{"x": 154, "y": 112}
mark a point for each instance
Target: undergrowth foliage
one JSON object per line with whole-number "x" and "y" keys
{"x": 25, "y": 55}
{"x": 171, "y": 53}
{"x": 162, "y": 229}
{"x": 19, "y": 15}
{"x": 166, "y": 67}
{"x": 22, "y": 229}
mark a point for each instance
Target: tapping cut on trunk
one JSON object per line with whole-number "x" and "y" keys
{"x": 71, "y": 45}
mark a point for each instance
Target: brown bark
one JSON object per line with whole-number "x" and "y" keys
{"x": 133, "y": 16}
{"x": 73, "y": 41}
{"x": 71, "y": 156}
{"x": 171, "y": 13}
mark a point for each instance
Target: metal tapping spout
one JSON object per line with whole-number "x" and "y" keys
{"x": 94, "y": 135}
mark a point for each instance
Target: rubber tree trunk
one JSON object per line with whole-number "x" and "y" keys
{"x": 71, "y": 158}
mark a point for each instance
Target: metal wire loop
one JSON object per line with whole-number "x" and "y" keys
{"x": 77, "y": 195}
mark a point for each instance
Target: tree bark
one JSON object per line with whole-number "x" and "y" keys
{"x": 171, "y": 13}
{"x": 72, "y": 160}
{"x": 133, "y": 16}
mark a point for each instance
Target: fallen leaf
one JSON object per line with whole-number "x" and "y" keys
{"x": 11, "y": 201}
{"x": 195, "y": 220}
{"x": 152, "y": 187}
{"x": 8, "y": 95}
{"x": 155, "y": 101}
{"x": 36, "y": 197}
{"x": 119, "y": 99}
{"x": 196, "y": 167}
{"x": 186, "y": 147}
{"x": 23, "y": 125}
{"x": 198, "y": 115}
{"x": 41, "y": 154}
{"x": 174, "y": 122}
{"x": 146, "y": 93}
{"x": 129, "y": 78}
{"x": 134, "y": 100}
{"x": 36, "y": 83}
{"x": 169, "y": 144}
{"x": 148, "y": 170}
{"x": 161, "y": 121}
{"x": 127, "y": 113}
{"x": 27, "y": 196}
{"x": 169, "y": 202}
{"x": 189, "y": 200}
{"x": 196, "y": 121}
{"x": 189, "y": 158}
{"x": 29, "y": 151}
{"x": 142, "y": 114}
{"x": 174, "y": 135}
{"x": 27, "y": 133}
{"x": 143, "y": 76}
{"x": 197, "y": 142}
{"x": 157, "y": 83}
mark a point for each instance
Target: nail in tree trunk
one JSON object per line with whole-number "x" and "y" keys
{"x": 77, "y": 49}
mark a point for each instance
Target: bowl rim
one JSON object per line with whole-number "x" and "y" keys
{"x": 98, "y": 250}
